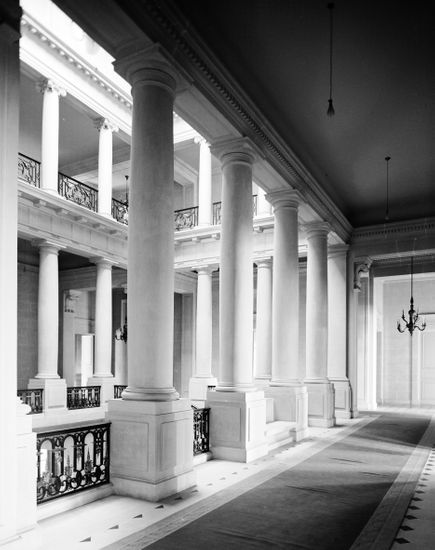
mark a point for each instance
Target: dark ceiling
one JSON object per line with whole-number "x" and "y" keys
{"x": 383, "y": 91}
{"x": 278, "y": 52}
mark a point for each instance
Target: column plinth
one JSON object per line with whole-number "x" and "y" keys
{"x": 320, "y": 389}
{"x": 150, "y": 420}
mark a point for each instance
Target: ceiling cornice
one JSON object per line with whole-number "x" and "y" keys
{"x": 166, "y": 26}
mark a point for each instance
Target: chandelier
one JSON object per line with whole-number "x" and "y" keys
{"x": 413, "y": 317}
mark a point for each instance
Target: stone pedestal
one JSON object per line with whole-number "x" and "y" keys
{"x": 151, "y": 447}
{"x": 237, "y": 425}
{"x": 320, "y": 403}
{"x": 54, "y": 395}
{"x": 290, "y": 403}
{"x": 343, "y": 397}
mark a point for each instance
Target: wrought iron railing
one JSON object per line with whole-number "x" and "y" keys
{"x": 201, "y": 442}
{"x": 83, "y": 397}
{"x": 71, "y": 460}
{"x": 78, "y": 192}
{"x": 117, "y": 391}
{"x": 29, "y": 170}
{"x": 120, "y": 211}
{"x": 33, "y": 398}
{"x": 186, "y": 218}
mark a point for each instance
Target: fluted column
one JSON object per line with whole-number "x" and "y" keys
{"x": 105, "y": 161}
{"x": 263, "y": 360}
{"x": 290, "y": 396}
{"x": 236, "y": 401}
{"x": 204, "y": 333}
{"x": 320, "y": 390}
{"x": 50, "y": 135}
{"x": 337, "y": 329}
{"x": 204, "y": 184}
{"x": 150, "y": 420}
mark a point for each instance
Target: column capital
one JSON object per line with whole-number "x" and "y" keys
{"x": 337, "y": 250}
{"x": 205, "y": 269}
{"x": 48, "y": 85}
{"x": 284, "y": 198}
{"x": 235, "y": 150}
{"x": 361, "y": 265}
{"x": 102, "y": 261}
{"x": 201, "y": 141}
{"x": 102, "y": 123}
{"x": 314, "y": 229}
{"x": 149, "y": 66}
{"x": 263, "y": 262}
{"x": 48, "y": 245}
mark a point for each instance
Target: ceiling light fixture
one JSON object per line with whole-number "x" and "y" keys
{"x": 413, "y": 315}
{"x": 387, "y": 213}
{"x": 330, "y": 111}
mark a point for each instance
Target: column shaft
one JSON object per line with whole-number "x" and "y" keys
{"x": 105, "y": 160}
{"x": 263, "y": 362}
{"x": 103, "y": 320}
{"x": 151, "y": 240}
{"x": 236, "y": 273}
{"x": 48, "y": 311}
{"x": 204, "y": 185}
{"x": 50, "y": 136}
{"x": 204, "y": 323}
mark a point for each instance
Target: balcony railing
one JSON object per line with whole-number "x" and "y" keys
{"x": 72, "y": 460}
{"x": 83, "y": 397}
{"x": 33, "y": 398}
{"x": 201, "y": 442}
{"x": 29, "y": 170}
{"x": 78, "y": 192}
{"x": 186, "y": 218}
{"x": 217, "y": 210}
{"x": 120, "y": 211}
{"x": 117, "y": 391}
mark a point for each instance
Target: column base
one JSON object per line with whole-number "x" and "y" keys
{"x": 320, "y": 403}
{"x": 343, "y": 396}
{"x": 290, "y": 403}
{"x": 151, "y": 447}
{"x": 54, "y": 396}
{"x": 237, "y": 425}
{"x": 262, "y": 383}
{"x": 198, "y": 387}
{"x": 106, "y": 383}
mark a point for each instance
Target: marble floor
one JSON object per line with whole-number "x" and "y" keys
{"x": 115, "y": 521}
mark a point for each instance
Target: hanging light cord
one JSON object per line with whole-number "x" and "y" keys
{"x": 387, "y": 213}
{"x": 330, "y": 111}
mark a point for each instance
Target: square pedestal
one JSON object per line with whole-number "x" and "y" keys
{"x": 343, "y": 397}
{"x": 106, "y": 384}
{"x": 151, "y": 449}
{"x": 290, "y": 403}
{"x": 54, "y": 395}
{"x": 237, "y": 425}
{"x": 320, "y": 403}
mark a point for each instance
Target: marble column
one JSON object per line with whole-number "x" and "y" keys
{"x": 17, "y": 448}
{"x": 204, "y": 332}
{"x": 337, "y": 329}
{"x": 47, "y": 377}
{"x": 50, "y": 135}
{"x": 263, "y": 359}
{"x": 289, "y": 394}
{"x": 105, "y": 161}
{"x": 205, "y": 215}
{"x": 72, "y": 378}
{"x": 103, "y": 376}
{"x": 150, "y": 420}
{"x": 238, "y": 413}
{"x": 320, "y": 389}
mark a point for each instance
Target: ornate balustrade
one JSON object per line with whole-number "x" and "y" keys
{"x": 201, "y": 440}
{"x": 29, "y": 170}
{"x": 33, "y": 398}
{"x": 70, "y": 460}
{"x": 78, "y": 192}
{"x": 83, "y": 397}
{"x": 117, "y": 391}
{"x": 120, "y": 211}
{"x": 185, "y": 218}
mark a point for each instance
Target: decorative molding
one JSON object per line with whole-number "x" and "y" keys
{"x": 394, "y": 230}
{"x": 361, "y": 265}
